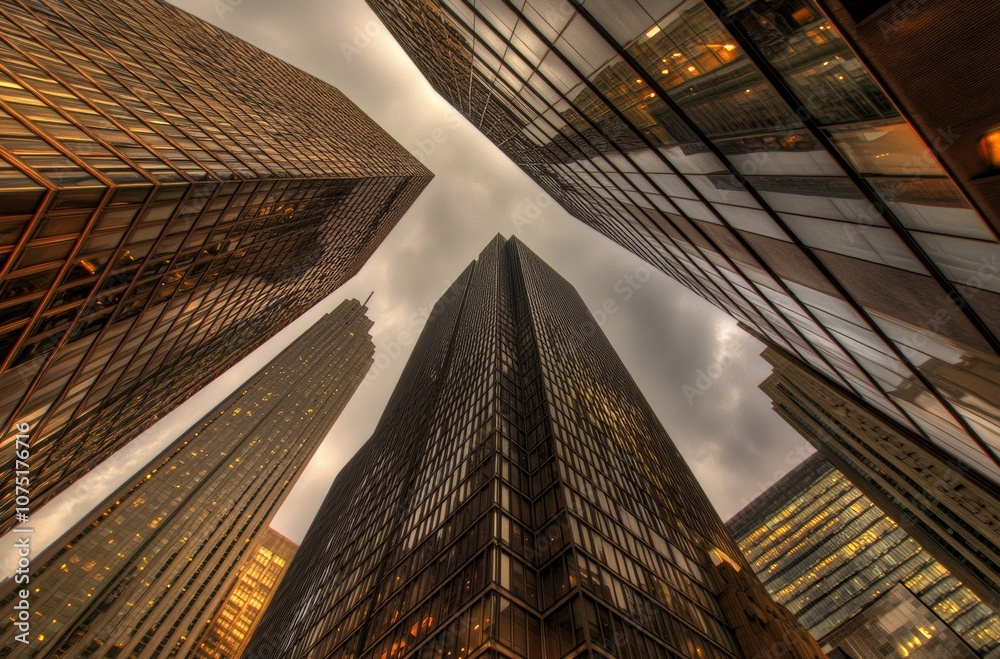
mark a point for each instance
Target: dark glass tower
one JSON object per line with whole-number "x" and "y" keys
{"x": 828, "y": 553}
{"x": 143, "y": 574}
{"x": 170, "y": 197}
{"x": 519, "y": 498}
{"x": 951, "y": 511}
{"x": 745, "y": 148}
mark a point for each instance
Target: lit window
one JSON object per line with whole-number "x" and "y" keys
{"x": 989, "y": 146}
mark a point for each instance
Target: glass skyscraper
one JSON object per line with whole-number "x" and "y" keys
{"x": 951, "y": 512}
{"x": 744, "y": 148}
{"x": 519, "y": 498}
{"x": 142, "y": 575}
{"x": 229, "y": 628}
{"x": 826, "y": 552}
{"x": 896, "y": 624}
{"x": 170, "y": 197}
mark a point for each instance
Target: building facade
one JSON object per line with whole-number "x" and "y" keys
{"x": 743, "y": 147}
{"x": 826, "y": 552}
{"x": 143, "y": 574}
{"x": 519, "y": 498}
{"x": 170, "y": 197}
{"x": 943, "y": 100}
{"x": 237, "y": 616}
{"x": 949, "y": 510}
{"x": 897, "y": 624}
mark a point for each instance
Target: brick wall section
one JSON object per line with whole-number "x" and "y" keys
{"x": 938, "y": 60}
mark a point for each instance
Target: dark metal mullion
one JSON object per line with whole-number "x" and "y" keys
{"x": 794, "y": 328}
{"x": 199, "y": 92}
{"x": 43, "y": 207}
{"x": 173, "y": 323}
{"x": 196, "y": 91}
{"x": 618, "y": 229}
{"x": 50, "y": 293}
{"x": 125, "y": 337}
{"x": 894, "y": 99}
{"x": 668, "y": 101}
{"x": 85, "y": 101}
{"x": 697, "y": 193}
{"x": 139, "y": 99}
{"x": 107, "y": 94}
{"x": 168, "y": 84}
{"x": 540, "y": 116}
{"x": 792, "y": 100}
{"x": 652, "y": 236}
{"x": 364, "y": 630}
{"x": 224, "y": 315}
{"x": 808, "y": 252}
{"x": 97, "y": 286}
{"x": 176, "y": 352}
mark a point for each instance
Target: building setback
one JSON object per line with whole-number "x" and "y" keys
{"x": 170, "y": 197}
{"x": 826, "y": 552}
{"x": 519, "y": 498}
{"x": 143, "y": 574}
{"x": 743, "y": 147}
{"x": 237, "y": 616}
{"x": 949, "y": 510}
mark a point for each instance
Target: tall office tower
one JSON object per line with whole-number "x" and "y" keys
{"x": 944, "y": 100}
{"x": 826, "y": 552}
{"x": 744, "y": 148}
{"x": 949, "y": 511}
{"x": 896, "y": 624}
{"x": 518, "y": 498}
{"x": 238, "y": 614}
{"x": 170, "y": 197}
{"x": 142, "y": 574}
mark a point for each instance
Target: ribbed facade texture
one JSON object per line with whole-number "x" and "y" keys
{"x": 142, "y": 575}
{"x": 170, "y": 197}
{"x": 825, "y": 551}
{"x": 744, "y": 148}
{"x": 951, "y": 512}
{"x": 519, "y": 498}
{"x": 233, "y": 622}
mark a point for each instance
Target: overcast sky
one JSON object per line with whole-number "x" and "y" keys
{"x": 668, "y": 337}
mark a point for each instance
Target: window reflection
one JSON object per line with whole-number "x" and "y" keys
{"x": 691, "y": 56}
{"x": 801, "y": 44}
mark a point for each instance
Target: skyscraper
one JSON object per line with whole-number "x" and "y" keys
{"x": 951, "y": 511}
{"x": 237, "y": 615}
{"x": 896, "y": 623}
{"x": 143, "y": 573}
{"x": 170, "y": 197}
{"x": 827, "y": 552}
{"x": 519, "y": 498}
{"x": 744, "y": 148}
